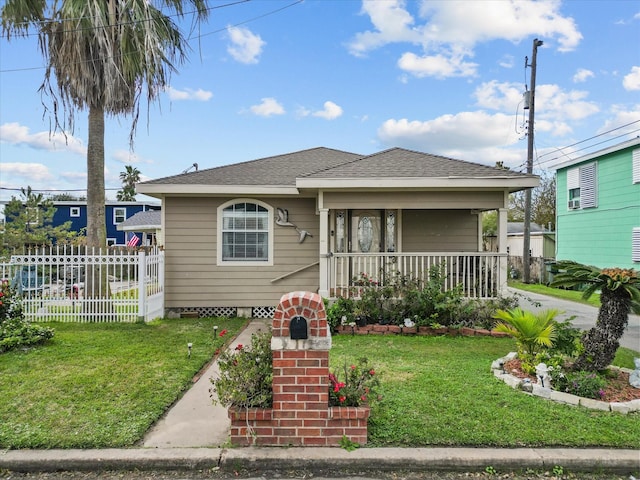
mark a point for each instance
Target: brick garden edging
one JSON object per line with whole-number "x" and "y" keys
{"x": 377, "y": 329}
{"x": 556, "y": 396}
{"x": 300, "y": 415}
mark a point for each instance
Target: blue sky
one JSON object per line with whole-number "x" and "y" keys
{"x": 267, "y": 77}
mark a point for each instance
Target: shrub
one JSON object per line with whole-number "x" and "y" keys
{"x": 340, "y": 311}
{"x": 581, "y": 383}
{"x": 246, "y": 375}
{"x": 15, "y": 330}
{"x": 354, "y": 385}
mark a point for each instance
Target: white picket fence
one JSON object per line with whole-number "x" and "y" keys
{"x": 76, "y": 284}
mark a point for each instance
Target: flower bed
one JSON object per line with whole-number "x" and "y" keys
{"x": 377, "y": 329}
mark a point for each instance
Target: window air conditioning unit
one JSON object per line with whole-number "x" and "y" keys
{"x": 573, "y": 204}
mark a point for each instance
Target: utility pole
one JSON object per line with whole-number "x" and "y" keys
{"x": 526, "y": 251}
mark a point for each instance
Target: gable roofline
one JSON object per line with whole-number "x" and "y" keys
{"x": 325, "y": 168}
{"x": 597, "y": 154}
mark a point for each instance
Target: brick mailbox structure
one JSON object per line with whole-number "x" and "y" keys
{"x": 300, "y": 415}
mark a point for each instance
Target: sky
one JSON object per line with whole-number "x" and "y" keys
{"x": 268, "y": 77}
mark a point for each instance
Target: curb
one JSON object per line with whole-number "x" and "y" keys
{"x": 323, "y": 459}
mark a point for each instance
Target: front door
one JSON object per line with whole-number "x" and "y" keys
{"x": 365, "y": 234}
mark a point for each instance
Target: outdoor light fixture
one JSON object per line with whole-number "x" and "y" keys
{"x": 215, "y": 330}
{"x": 189, "y": 345}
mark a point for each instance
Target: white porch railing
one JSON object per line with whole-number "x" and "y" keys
{"x": 127, "y": 285}
{"x": 478, "y": 273}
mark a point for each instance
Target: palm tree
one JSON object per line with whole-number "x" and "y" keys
{"x": 619, "y": 295}
{"x": 531, "y": 331}
{"x": 129, "y": 178}
{"x": 101, "y": 56}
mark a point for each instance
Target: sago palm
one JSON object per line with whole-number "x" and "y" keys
{"x": 619, "y": 295}
{"x": 530, "y": 330}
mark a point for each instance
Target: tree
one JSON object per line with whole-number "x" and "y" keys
{"x": 619, "y": 294}
{"x": 101, "y": 57}
{"x": 29, "y": 221}
{"x": 129, "y": 178}
{"x": 543, "y": 203}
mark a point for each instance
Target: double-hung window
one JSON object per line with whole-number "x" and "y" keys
{"x": 582, "y": 189}
{"x": 244, "y": 235}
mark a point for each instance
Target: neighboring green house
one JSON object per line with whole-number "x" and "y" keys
{"x": 598, "y": 207}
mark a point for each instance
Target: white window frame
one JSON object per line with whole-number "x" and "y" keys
{"x": 636, "y": 166}
{"x": 74, "y": 212}
{"x": 635, "y": 244}
{"x": 116, "y": 214}
{"x": 584, "y": 179}
{"x": 270, "y": 235}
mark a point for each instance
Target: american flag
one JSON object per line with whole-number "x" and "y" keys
{"x": 133, "y": 240}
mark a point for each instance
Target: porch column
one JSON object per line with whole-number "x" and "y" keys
{"x": 502, "y": 248}
{"x": 324, "y": 250}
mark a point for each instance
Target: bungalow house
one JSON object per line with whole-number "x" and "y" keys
{"x": 239, "y": 236}
{"x": 598, "y": 207}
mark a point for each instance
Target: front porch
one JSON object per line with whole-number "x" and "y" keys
{"x": 479, "y": 274}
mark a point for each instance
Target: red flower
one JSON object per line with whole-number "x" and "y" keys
{"x": 353, "y": 367}
{"x": 239, "y": 346}
{"x": 342, "y": 399}
{"x": 223, "y": 333}
{"x": 372, "y": 372}
{"x": 363, "y": 398}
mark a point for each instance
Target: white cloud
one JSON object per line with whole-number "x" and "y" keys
{"x": 450, "y": 30}
{"x": 439, "y": 66}
{"x": 507, "y": 61}
{"x": 16, "y": 134}
{"x": 582, "y": 75}
{"x": 331, "y": 111}
{"x": 503, "y": 97}
{"x": 620, "y": 116}
{"x": 189, "y": 94}
{"x": 267, "y": 108}
{"x": 30, "y": 172}
{"x": 554, "y": 103}
{"x": 127, "y": 157}
{"x": 473, "y": 136}
{"x": 245, "y": 46}
{"x": 631, "y": 81}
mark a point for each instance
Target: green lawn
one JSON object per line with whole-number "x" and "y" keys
{"x": 104, "y": 385}
{"x": 573, "y": 295}
{"x": 440, "y": 391}
{"x": 101, "y": 385}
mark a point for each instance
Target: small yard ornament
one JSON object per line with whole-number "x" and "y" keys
{"x": 634, "y": 377}
{"x": 542, "y": 372}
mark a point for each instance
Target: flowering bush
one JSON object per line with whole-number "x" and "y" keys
{"x": 246, "y": 374}
{"x": 354, "y": 386}
{"x": 15, "y": 331}
{"x": 580, "y": 383}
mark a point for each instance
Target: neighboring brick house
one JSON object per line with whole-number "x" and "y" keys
{"x": 598, "y": 207}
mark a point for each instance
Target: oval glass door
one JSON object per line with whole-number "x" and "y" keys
{"x": 365, "y": 231}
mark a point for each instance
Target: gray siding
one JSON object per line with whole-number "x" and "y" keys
{"x": 193, "y": 278}
{"x": 439, "y": 231}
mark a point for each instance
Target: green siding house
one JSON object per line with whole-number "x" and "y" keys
{"x": 598, "y": 207}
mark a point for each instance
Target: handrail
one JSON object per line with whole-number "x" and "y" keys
{"x": 295, "y": 271}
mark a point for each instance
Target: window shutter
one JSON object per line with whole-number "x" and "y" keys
{"x": 588, "y": 190}
{"x": 636, "y": 166}
{"x": 635, "y": 245}
{"x": 573, "y": 179}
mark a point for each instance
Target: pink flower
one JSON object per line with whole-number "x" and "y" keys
{"x": 353, "y": 367}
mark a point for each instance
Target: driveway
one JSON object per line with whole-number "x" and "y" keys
{"x": 585, "y": 315}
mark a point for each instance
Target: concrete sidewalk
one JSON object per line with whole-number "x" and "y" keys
{"x": 194, "y": 421}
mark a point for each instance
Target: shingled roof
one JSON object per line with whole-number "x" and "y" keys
{"x": 276, "y": 170}
{"x": 321, "y": 168}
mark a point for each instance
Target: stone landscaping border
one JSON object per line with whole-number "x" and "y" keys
{"x": 497, "y": 367}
